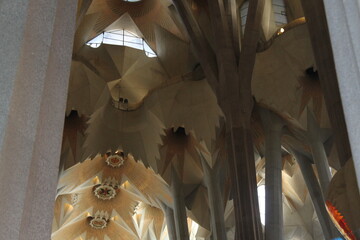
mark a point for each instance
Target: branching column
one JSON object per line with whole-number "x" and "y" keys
{"x": 230, "y": 79}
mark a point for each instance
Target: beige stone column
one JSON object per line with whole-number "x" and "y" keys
{"x": 35, "y": 60}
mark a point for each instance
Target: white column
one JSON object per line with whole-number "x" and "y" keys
{"x": 343, "y": 19}
{"x": 273, "y": 176}
{"x": 36, "y": 49}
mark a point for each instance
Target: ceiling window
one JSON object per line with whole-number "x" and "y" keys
{"x": 279, "y": 12}
{"x": 261, "y": 196}
{"x": 122, "y": 38}
{"x": 243, "y": 15}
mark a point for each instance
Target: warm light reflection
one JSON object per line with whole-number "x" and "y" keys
{"x": 68, "y": 207}
{"x": 125, "y": 184}
{"x": 281, "y": 31}
{"x": 96, "y": 180}
{"x": 339, "y": 221}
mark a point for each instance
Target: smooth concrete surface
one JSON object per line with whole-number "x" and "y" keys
{"x": 343, "y": 19}
{"x": 33, "y": 116}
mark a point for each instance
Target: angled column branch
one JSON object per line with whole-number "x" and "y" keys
{"x": 203, "y": 50}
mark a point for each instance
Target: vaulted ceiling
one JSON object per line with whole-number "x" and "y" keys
{"x": 132, "y": 121}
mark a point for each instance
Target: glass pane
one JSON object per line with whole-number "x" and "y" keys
{"x": 261, "y": 196}
{"x": 96, "y": 41}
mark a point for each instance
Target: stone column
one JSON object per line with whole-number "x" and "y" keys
{"x": 318, "y": 152}
{"x": 319, "y": 35}
{"x": 315, "y": 192}
{"x": 273, "y": 175}
{"x": 342, "y": 19}
{"x": 215, "y": 201}
{"x": 182, "y": 232}
{"x": 170, "y": 222}
{"x": 36, "y": 51}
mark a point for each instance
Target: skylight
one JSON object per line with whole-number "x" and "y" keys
{"x": 261, "y": 196}
{"x": 122, "y": 38}
{"x": 279, "y": 12}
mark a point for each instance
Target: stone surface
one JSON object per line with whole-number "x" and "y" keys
{"x": 33, "y": 115}
{"x": 343, "y": 18}
{"x": 12, "y": 27}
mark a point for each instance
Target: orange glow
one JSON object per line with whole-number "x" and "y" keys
{"x": 339, "y": 221}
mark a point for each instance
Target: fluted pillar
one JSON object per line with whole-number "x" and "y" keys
{"x": 273, "y": 176}
{"x": 182, "y": 232}
{"x": 36, "y": 54}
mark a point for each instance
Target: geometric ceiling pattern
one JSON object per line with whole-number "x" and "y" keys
{"x": 139, "y": 129}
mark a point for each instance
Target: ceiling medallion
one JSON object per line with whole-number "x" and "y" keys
{"x": 115, "y": 161}
{"x": 98, "y": 223}
{"x": 74, "y": 199}
{"x": 100, "y": 220}
{"x": 105, "y": 192}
